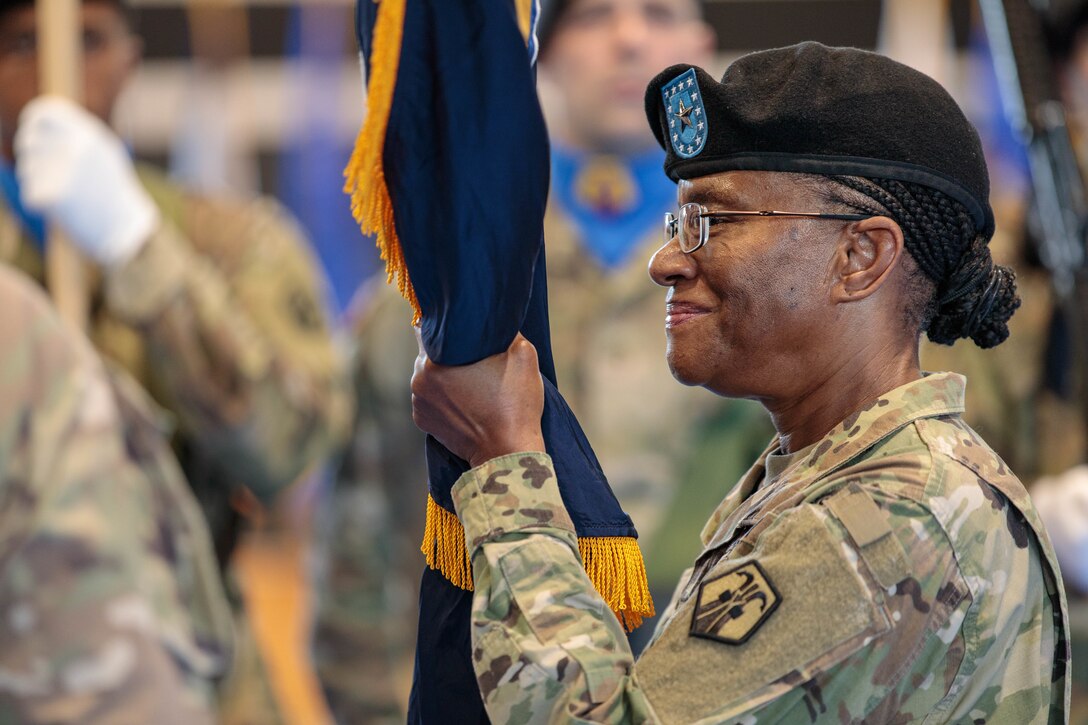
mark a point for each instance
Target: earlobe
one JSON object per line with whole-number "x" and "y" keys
{"x": 706, "y": 39}
{"x": 869, "y": 251}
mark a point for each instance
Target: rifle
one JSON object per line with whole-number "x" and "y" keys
{"x": 1032, "y": 102}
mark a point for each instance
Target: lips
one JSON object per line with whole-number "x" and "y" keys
{"x": 677, "y": 313}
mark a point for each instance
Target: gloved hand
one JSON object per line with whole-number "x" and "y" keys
{"x": 1062, "y": 503}
{"x": 74, "y": 170}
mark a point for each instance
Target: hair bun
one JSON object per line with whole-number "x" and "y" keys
{"x": 981, "y": 313}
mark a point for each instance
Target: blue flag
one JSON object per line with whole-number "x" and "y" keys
{"x": 450, "y": 172}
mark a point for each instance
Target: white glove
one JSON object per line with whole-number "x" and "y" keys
{"x": 73, "y": 169}
{"x": 1062, "y": 503}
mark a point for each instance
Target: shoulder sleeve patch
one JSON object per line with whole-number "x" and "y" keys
{"x": 732, "y": 606}
{"x": 796, "y": 606}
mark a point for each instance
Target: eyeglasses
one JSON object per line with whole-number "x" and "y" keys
{"x": 693, "y": 224}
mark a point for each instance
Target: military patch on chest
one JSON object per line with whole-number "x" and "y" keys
{"x": 732, "y": 606}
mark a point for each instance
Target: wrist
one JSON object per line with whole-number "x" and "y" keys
{"x": 528, "y": 443}
{"x": 134, "y": 228}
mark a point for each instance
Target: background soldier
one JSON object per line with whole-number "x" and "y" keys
{"x": 214, "y": 306}
{"x": 113, "y": 608}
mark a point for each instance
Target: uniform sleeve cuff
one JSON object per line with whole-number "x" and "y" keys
{"x": 141, "y": 288}
{"x": 515, "y": 493}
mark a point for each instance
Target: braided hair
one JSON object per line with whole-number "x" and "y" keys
{"x": 957, "y": 289}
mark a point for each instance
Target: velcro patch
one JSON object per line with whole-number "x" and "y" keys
{"x": 732, "y": 606}
{"x": 868, "y": 527}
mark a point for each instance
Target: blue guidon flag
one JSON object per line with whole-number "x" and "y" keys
{"x": 450, "y": 174}
{"x": 686, "y": 114}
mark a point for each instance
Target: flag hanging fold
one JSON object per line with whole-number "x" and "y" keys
{"x": 450, "y": 173}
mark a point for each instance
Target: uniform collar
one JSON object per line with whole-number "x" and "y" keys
{"x": 612, "y": 202}
{"x": 933, "y": 395}
{"x": 33, "y": 224}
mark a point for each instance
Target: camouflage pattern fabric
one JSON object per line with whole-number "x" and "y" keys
{"x": 1036, "y": 432}
{"x": 111, "y": 608}
{"x": 364, "y": 632}
{"x": 220, "y": 319}
{"x": 895, "y": 573}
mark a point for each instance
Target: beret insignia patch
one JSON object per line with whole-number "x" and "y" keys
{"x": 732, "y": 606}
{"x": 687, "y": 116}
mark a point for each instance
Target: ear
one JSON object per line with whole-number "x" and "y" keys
{"x": 702, "y": 42}
{"x": 135, "y": 52}
{"x": 868, "y": 251}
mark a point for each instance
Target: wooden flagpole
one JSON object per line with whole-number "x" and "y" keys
{"x": 59, "y": 55}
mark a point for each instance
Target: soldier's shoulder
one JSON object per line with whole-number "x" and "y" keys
{"x": 935, "y": 457}
{"x": 33, "y": 338}
{"x": 19, "y": 292}
{"x": 379, "y": 321}
{"x": 936, "y": 479}
{"x": 963, "y": 459}
{"x": 230, "y": 228}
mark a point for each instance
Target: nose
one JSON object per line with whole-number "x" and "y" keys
{"x": 669, "y": 266}
{"x": 631, "y": 31}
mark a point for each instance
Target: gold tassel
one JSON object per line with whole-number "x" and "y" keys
{"x": 444, "y": 545}
{"x": 364, "y": 176}
{"x": 614, "y": 564}
{"x": 524, "y": 9}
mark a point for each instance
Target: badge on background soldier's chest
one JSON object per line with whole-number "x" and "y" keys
{"x": 732, "y": 606}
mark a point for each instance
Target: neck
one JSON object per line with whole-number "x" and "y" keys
{"x": 803, "y": 419}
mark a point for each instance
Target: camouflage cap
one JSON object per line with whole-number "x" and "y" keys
{"x": 809, "y": 108}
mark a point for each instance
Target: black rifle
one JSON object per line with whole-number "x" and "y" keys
{"x": 1032, "y": 103}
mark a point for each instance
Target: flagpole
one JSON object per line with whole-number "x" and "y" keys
{"x": 59, "y": 45}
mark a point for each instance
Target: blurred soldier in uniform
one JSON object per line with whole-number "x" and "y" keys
{"x": 214, "y": 306}
{"x": 113, "y": 611}
{"x": 372, "y": 527}
{"x": 879, "y": 562}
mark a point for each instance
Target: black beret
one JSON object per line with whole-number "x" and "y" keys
{"x": 813, "y": 109}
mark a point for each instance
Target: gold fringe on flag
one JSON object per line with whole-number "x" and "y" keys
{"x": 614, "y": 564}
{"x": 364, "y": 177}
{"x": 444, "y": 545}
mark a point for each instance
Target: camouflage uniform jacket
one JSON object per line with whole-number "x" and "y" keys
{"x": 111, "y": 608}
{"x": 219, "y": 317}
{"x": 897, "y": 573}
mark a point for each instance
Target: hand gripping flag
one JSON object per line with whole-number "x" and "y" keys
{"x": 450, "y": 173}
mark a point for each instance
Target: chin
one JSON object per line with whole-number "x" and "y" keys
{"x": 684, "y": 371}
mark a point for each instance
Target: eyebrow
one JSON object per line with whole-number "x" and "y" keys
{"x": 723, "y": 198}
